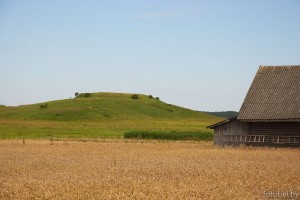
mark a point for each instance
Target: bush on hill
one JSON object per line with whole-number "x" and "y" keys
{"x": 83, "y": 95}
{"x": 44, "y": 105}
{"x": 135, "y": 96}
{"x": 87, "y": 94}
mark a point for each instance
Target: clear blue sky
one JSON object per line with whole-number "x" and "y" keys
{"x": 197, "y": 54}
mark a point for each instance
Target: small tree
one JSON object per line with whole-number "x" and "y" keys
{"x": 157, "y": 98}
{"x": 87, "y": 94}
{"x": 134, "y": 96}
{"x": 76, "y": 94}
{"x": 44, "y": 105}
{"x": 150, "y": 97}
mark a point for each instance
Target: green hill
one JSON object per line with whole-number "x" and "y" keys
{"x": 97, "y": 106}
{"x": 99, "y": 115}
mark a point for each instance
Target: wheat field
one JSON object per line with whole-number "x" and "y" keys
{"x": 132, "y": 169}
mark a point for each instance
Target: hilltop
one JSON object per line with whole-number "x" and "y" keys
{"x": 97, "y": 106}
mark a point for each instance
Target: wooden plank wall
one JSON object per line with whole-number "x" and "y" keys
{"x": 234, "y": 127}
{"x": 275, "y": 128}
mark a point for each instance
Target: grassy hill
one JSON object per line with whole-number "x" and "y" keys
{"x": 99, "y": 115}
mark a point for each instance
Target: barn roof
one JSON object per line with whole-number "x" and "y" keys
{"x": 222, "y": 122}
{"x": 274, "y": 95}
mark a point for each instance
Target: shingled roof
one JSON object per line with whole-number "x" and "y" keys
{"x": 274, "y": 95}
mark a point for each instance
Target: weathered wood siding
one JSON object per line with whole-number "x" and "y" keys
{"x": 229, "y": 132}
{"x": 234, "y": 127}
{"x": 275, "y": 128}
{"x": 218, "y": 135}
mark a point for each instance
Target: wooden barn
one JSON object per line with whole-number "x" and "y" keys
{"x": 270, "y": 113}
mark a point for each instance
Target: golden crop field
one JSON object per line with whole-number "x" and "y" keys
{"x": 132, "y": 169}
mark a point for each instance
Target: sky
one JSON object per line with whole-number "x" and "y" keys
{"x": 201, "y": 55}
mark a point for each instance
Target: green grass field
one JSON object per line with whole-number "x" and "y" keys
{"x": 100, "y": 115}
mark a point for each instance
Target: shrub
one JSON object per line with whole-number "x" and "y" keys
{"x": 157, "y": 98}
{"x": 169, "y": 135}
{"x": 2, "y": 105}
{"x": 83, "y": 95}
{"x": 134, "y": 96}
{"x": 44, "y": 105}
{"x": 150, "y": 97}
{"x": 87, "y": 94}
